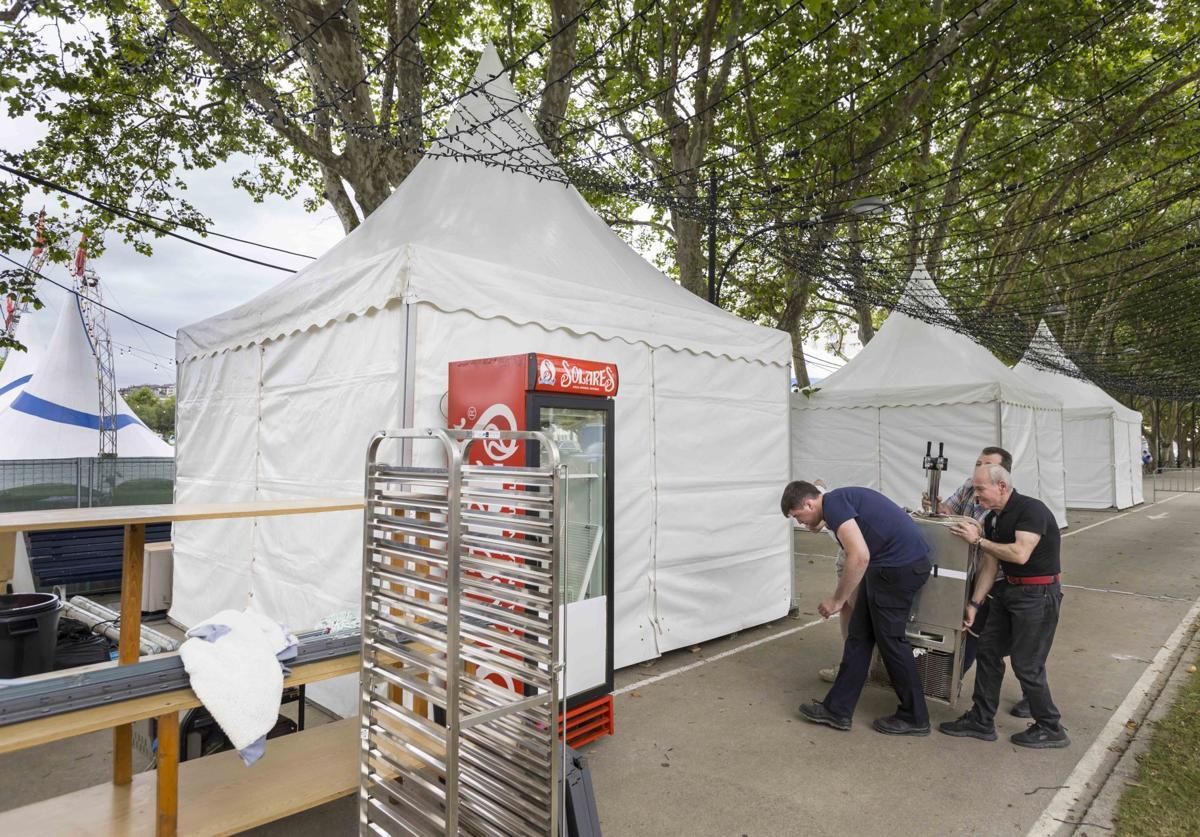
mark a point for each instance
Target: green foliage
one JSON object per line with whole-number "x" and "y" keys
{"x": 156, "y": 413}
{"x": 1032, "y": 155}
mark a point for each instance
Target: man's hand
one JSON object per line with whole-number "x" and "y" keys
{"x": 829, "y": 606}
{"x": 969, "y": 531}
{"x": 969, "y": 616}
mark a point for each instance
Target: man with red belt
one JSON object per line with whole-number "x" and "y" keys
{"x": 1022, "y": 534}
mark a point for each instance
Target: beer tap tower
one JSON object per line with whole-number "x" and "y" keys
{"x": 934, "y": 465}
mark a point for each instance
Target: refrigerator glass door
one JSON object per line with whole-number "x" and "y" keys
{"x": 581, "y": 434}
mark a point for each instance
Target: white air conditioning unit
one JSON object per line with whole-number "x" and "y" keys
{"x": 157, "y": 562}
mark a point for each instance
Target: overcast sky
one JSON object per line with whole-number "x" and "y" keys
{"x": 182, "y": 283}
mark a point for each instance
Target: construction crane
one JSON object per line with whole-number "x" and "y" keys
{"x": 13, "y": 309}
{"x": 95, "y": 323}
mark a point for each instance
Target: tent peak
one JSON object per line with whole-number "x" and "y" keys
{"x": 489, "y": 69}
{"x": 921, "y": 294}
{"x": 488, "y": 125}
{"x": 1043, "y": 349}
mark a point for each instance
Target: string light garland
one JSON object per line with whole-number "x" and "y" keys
{"x": 1002, "y": 259}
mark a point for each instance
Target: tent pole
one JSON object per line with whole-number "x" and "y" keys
{"x": 408, "y": 396}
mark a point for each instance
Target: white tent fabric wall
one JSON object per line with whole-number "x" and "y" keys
{"x": 56, "y": 414}
{"x": 867, "y": 423}
{"x": 1102, "y": 436}
{"x": 19, "y": 366}
{"x": 466, "y": 261}
{"x": 211, "y": 570}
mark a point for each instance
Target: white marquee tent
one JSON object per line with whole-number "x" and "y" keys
{"x": 56, "y": 415}
{"x": 18, "y": 366}
{"x": 278, "y": 397}
{"x": 1102, "y": 437}
{"x": 867, "y": 423}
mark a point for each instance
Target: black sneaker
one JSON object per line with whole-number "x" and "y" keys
{"x": 893, "y": 725}
{"x": 818, "y": 714}
{"x": 1020, "y": 709}
{"x": 1041, "y": 738}
{"x": 968, "y": 727}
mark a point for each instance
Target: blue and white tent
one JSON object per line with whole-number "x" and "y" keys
{"x": 19, "y": 366}
{"x": 55, "y": 414}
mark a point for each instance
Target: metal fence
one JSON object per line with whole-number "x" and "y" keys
{"x": 1175, "y": 481}
{"x": 33, "y": 484}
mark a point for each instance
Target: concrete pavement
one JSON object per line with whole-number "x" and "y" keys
{"x": 719, "y": 749}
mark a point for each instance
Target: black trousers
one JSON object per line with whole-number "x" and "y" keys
{"x": 885, "y": 599}
{"x": 1020, "y": 626}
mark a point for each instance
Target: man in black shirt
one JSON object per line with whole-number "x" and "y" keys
{"x": 1021, "y": 533}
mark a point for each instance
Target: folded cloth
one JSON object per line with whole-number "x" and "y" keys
{"x": 233, "y": 661}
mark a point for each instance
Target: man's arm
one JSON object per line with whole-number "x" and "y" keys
{"x": 857, "y": 558}
{"x": 985, "y": 577}
{"x": 1014, "y": 553}
{"x": 956, "y": 502}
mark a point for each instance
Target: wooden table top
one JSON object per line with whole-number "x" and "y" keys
{"x": 31, "y": 521}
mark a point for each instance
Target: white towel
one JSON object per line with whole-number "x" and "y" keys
{"x": 235, "y": 672}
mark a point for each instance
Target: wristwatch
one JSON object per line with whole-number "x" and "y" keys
{"x": 975, "y": 605}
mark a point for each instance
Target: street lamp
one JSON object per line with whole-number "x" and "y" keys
{"x": 874, "y": 205}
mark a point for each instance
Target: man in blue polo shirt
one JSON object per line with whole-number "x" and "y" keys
{"x": 886, "y": 552}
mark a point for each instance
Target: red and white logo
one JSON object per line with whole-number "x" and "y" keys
{"x": 496, "y": 417}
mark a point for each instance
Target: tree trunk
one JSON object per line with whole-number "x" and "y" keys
{"x": 689, "y": 253}
{"x": 862, "y": 306}
{"x": 792, "y": 321}
{"x": 1154, "y": 434}
{"x": 1192, "y": 431}
{"x": 558, "y": 72}
{"x": 1177, "y": 432}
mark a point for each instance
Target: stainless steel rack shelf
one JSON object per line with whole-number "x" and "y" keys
{"x": 461, "y": 640}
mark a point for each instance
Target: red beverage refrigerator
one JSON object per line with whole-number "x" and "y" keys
{"x": 571, "y": 400}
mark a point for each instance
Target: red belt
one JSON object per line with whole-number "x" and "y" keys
{"x": 1033, "y": 579}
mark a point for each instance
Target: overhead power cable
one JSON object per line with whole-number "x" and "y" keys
{"x": 91, "y": 301}
{"x": 131, "y": 215}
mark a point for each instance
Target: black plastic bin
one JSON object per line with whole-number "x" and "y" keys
{"x": 28, "y": 633}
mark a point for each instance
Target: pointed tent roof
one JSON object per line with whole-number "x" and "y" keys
{"x": 1078, "y": 395}
{"x": 57, "y": 414}
{"x": 19, "y": 366}
{"x": 464, "y": 234}
{"x": 911, "y": 362}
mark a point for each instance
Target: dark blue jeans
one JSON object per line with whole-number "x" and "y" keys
{"x": 885, "y": 599}
{"x": 1020, "y": 626}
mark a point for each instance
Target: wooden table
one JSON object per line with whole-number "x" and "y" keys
{"x": 134, "y": 520}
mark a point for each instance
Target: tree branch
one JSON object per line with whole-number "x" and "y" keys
{"x": 258, "y": 92}
{"x": 11, "y": 14}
